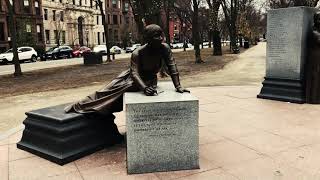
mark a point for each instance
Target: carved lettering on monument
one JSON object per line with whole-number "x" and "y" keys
{"x": 157, "y": 123}
{"x": 284, "y": 45}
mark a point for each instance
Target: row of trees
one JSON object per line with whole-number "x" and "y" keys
{"x": 239, "y": 18}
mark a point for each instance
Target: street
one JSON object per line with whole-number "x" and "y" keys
{"x": 9, "y": 69}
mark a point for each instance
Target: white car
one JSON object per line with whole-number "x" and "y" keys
{"x": 132, "y": 48}
{"x": 100, "y": 49}
{"x": 115, "y": 50}
{"x": 24, "y": 54}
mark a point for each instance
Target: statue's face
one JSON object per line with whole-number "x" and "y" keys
{"x": 156, "y": 39}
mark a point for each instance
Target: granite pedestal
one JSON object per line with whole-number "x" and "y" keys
{"x": 61, "y": 138}
{"x": 288, "y": 30}
{"x": 162, "y": 131}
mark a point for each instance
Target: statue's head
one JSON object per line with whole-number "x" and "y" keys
{"x": 153, "y": 35}
{"x": 316, "y": 19}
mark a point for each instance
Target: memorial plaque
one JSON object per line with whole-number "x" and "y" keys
{"x": 162, "y": 131}
{"x": 287, "y": 34}
{"x": 287, "y": 37}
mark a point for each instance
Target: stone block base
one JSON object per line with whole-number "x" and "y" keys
{"x": 162, "y": 131}
{"x": 283, "y": 90}
{"x": 61, "y": 138}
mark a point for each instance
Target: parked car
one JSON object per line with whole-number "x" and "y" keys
{"x": 115, "y": 50}
{"x": 58, "y": 53}
{"x": 100, "y": 49}
{"x": 177, "y": 45}
{"x": 132, "y": 48}
{"x": 79, "y": 52}
{"x": 24, "y": 54}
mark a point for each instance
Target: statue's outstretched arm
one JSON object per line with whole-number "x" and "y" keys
{"x": 172, "y": 69}
{"x": 134, "y": 71}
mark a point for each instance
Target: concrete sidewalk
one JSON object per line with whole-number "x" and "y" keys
{"x": 241, "y": 137}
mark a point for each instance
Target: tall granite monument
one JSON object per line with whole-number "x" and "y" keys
{"x": 287, "y": 34}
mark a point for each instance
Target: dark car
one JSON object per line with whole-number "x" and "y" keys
{"x": 58, "y": 53}
{"x": 79, "y": 52}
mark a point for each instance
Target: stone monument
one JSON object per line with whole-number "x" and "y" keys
{"x": 287, "y": 34}
{"x": 162, "y": 131}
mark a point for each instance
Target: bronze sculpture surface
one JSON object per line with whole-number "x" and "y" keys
{"x": 313, "y": 64}
{"x": 146, "y": 62}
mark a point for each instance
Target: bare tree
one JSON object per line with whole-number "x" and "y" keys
{"x": 12, "y": 27}
{"x": 59, "y": 24}
{"x": 231, "y": 11}
{"x": 195, "y": 30}
{"x": 214, "y": 6}
{"x": 105, "y": 27}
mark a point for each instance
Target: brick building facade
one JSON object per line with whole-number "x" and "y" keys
{"x": 28, "y": 21}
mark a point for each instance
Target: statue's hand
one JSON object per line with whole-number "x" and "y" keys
{"x": 149, "y": 91}
{"x": 182, "y": 90}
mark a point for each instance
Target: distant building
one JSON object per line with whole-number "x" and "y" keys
{"x": 79, "y": 22}
{"x": 72, "y": 22}
{"x": 122, "y": 27}
{"x": 28, "y": 20}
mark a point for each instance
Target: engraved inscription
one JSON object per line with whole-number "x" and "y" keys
{"x": 156, "y": 122}
{"x": 284, "y": 44}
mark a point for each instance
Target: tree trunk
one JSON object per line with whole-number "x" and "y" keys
{"x": 217, "y": 50}
{"x": 105, "y": 27}
{"x": 195, "y": 32}
{"x": 210, "y": 38}
{"x": 17, "y": 67}
{"x": 168, "y": 40}
{"x": 216, "y": 39}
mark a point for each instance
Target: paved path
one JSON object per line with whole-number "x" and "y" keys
{"x": 248, "y": 69}
{"x": 241, "y": 138}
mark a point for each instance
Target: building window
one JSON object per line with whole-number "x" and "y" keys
{"x": 60, "y": 1}
{"x": 91, "y": 3}
{"x": 74, "y": 2}
{"x": 98, "y": 20}
{"x": 110, "y": 34}
{"x": 120, "y": 19}
{"x": 45, "y": 14}
{"x": 108, "y": 3}
{"x": 2, "y": 31}
{"x": 47, "y": 32}
{"x": 54, "y": 15}
{"x": 115, "y": 19}
{"x": 61, "y": 16}
{"x": 126, "y": 7}
{"x": 109, "y": 19}
{"x": 56, "y": 36}
{"x": 103, "y": 37}
{"x": 80, "y": 2}
{"x": 98, "y": 38}
{"x": 37, "y": 7}
{"x": 63, "y": 37}
{"x": 116, "y": 36}
{"x": 39, "y": 33}
{"x": 26, "y": 6}
{"x": 28, "y": 28}
{"x": 114, "y": 3}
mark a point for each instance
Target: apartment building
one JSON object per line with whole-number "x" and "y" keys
{"x": 28, "y": 21}
{"x": 72, "y": 22}
{"x": 79, "y": 22}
